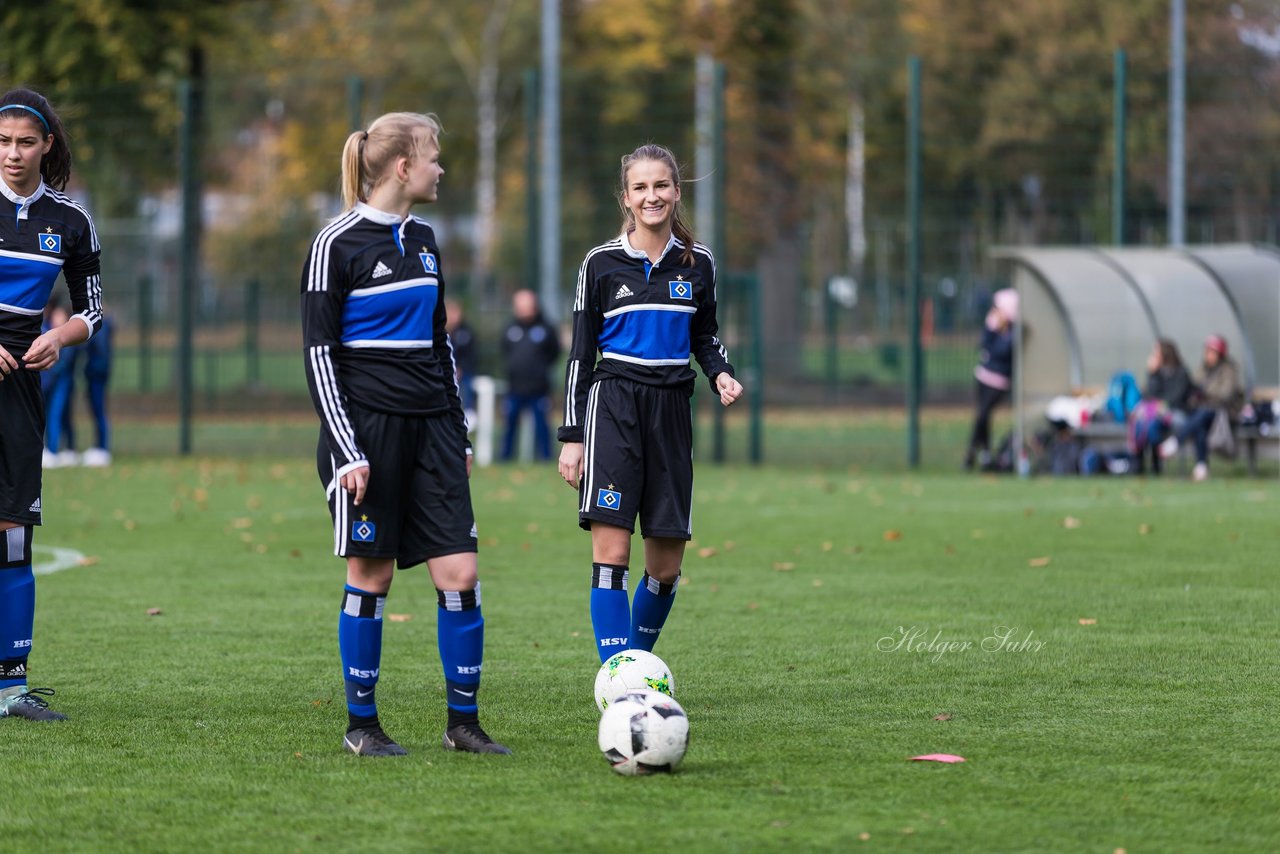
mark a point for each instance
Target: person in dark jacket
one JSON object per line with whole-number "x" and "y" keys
{"x": 994, "y": 373}
{"x": 530, "y": 347}
{"x": 463, "y": 341}
{"x": 1166, "y": 400}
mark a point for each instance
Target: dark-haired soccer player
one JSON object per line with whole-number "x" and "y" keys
{"x": 42, "y": 233}
{"x": 393, "y": 454}
{"x": 645, "y": 301}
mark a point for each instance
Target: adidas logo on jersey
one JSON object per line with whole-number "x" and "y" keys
{"x": 35, "y": 506}
{"x": 381, "y": 270}
{"x": 623, "y": 292}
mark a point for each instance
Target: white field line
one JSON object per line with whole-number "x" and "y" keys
{"x": 58, "y": 560}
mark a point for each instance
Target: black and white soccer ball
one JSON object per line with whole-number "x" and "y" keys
{"x": 632, "y": 670}
{"x": 644, "y": 732}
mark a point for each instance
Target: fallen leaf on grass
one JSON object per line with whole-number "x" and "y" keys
{"x": 817, "y": 582}
{"x": 399, "y": 618}
{"x": 945, "y": 716}
{"x": 1071, "y": 522}
{"x": 154, "y": 612}
{"x": 87, "y": 561}
{"x": 1088, "y": 621}
{"x": 828, "y": 546}
{"x": 864, "y": 836}
{"x": 707, "y": 552}
{"x": 784, "y": 566}
{"x": 297, "y": 755}
{"x": 938, "y": 757}
{"x": 892, "y": 535}
{"x": 1039, "y": 561}
{"x": 1144, "y": 529}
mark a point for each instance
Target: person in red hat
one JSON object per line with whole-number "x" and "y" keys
{"x": 1218, "y": 389}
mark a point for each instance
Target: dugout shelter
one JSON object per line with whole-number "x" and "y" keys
{"x": 1088, "y": 312}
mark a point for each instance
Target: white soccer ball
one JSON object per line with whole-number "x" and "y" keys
{"x": 643, "y": 732}
{"x": 630, "y": 670}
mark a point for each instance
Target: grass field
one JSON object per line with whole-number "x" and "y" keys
{"x": 1132, "y": 705}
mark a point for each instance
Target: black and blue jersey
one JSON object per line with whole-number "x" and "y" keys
{"x": 644, "y": 320}
{"x": 42, "y": 235}
{"x": 373, "y": 325}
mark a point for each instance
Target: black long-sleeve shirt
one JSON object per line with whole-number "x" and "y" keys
{"x": 644, "y": 320}
{"x": 41, "y": 235}
{"x": 373, "y": 326}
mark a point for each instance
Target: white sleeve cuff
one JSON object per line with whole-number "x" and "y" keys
{"x": 361, "y": 463}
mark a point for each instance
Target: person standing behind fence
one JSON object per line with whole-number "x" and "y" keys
{"x": 1218, "y": 391}
{"x": 58, "y": 384}
{"x": 530, "y": 346}
{"x": 393, "y": 455}
{"x": 42, "y": 232}
{"x": 464, "y": 356}
{"x": 994, "y": 374}
{"x": 96, "y": 356}
{"x": 645, "y": 300}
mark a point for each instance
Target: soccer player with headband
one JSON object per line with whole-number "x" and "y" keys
{"x": 43, "y": 232}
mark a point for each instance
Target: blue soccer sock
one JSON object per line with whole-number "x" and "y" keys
{"x": 360, "y": 643}
{"x": 649, "y": 612}
{"x": 610, "y": 608}
{"x": 17, "y": 605}
{"x": 460, "y": 635}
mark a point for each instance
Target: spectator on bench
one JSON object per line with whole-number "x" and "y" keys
{"x": 1219, "y": 389}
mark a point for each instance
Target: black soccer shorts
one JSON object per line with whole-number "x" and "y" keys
{"x": 21, "y": 446}
{"x": 417, "y": 505}
{"x": 638, "y": 459}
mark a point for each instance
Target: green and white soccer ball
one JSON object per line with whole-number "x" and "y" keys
{"x": 632, "y": 670}
{"x": 643, "y": 732}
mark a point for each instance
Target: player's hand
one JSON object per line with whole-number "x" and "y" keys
{"x": 729, "y": 388}
{"x": 44, "y": 352}
{"x": 8, "y": 364}
{"x": 356, "y": 481}
{"x": 571, "y": 463}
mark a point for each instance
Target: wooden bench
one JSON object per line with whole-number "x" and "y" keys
{"x": 1250, "y": 436}
{"x": 1114, "y": 436}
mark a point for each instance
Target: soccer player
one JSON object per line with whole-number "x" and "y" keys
{"x": 645, "y": 300}
{"x": 42, "y": 232}
{"x": 393, "y": 454}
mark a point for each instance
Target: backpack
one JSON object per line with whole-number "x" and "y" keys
{"x": 1123, "y": 395}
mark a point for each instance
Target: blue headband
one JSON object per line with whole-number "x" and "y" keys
{"x": 32, "y": 110}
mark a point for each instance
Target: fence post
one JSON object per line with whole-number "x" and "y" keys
{"x": 757, "y": 369}
{"x": 532, "y": 260}
{"x": 190, "y": 97}
{"x": 915, "y": 380}
{"x": 144, "y": 334}
{"x": 355, "y": 102}
{"x": 1120, "y": 167}
{"x": 831, "y": 318}
{"x": 252, "y": 300}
